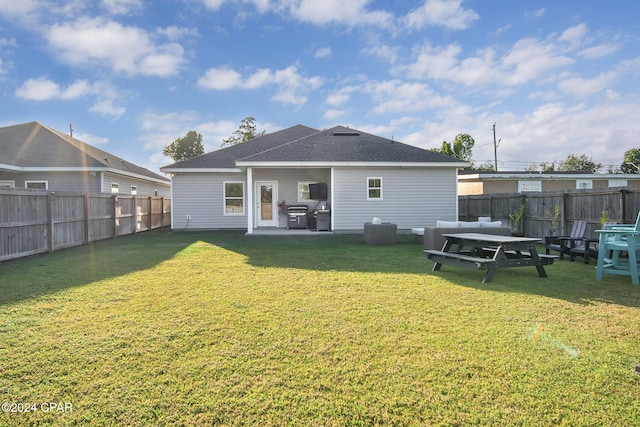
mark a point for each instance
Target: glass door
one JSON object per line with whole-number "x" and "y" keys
{"x": 266, "y": 206}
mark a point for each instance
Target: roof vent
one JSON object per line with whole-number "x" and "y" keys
{"x": 346, "y": 133}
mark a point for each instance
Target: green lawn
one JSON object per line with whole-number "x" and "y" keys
{"x": 227, "y": 329}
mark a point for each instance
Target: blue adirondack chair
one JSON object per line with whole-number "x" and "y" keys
{"x": 613, "y": 241}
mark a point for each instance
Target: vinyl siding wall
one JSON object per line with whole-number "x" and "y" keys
{"x": 201, "y": 195}
{"x": 145, "y": 188}
{"x": 411, "y": 197}
{"x": 58, "y": 181}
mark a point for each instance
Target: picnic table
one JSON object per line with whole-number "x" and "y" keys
{"x": 489, "y": 252}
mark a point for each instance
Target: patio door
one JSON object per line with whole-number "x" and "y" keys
{"x": 266, "y": 204}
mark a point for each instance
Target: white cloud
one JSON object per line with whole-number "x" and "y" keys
{"x": 323, "y": 52}
{"x": 583, "y": 88}
{"x": 44, "y": 89}
{"x": 291, "y": 85}
{"x": 220, "y": 79}
{"x": 575, "y": 35}
{"x": 350, "y": 13}
{"x": 599, "y": 51}
{"x": 128, "y": 50}
{"x": 123, "y": 7}
{"x": 40, "y": 89}
{"x": 530, "y": 59}
{"x": 444, "y": 13}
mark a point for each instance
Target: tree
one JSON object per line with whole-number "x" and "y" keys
{"x": 460, "y": 148}
{"x": 541, "y": 167}
{"x": 186, "y": 147}
{"x": 631, "y": 162}
{"x": 580, "y": 163}
{"x": 244, "y": 133}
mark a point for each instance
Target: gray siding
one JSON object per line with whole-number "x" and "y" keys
{"x": 411, "y": 197}
{"x": 78, "y": 182}
{"x": 201, "y": 195}
{"x": 145, "y": 188}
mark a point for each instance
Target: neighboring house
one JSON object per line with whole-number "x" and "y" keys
{"x": 250, "y": 185}
{"x": 474, "y": 182}
{"x": 35, "y": 156}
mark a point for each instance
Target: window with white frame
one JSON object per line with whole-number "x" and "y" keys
{"x": 134, "y": 190}
{"x": 617, "y": 183}
{"x": 585, "y": 184}
{"x": 303, "y": 191}
{"x": 529, "y": 186}
{"x": 37, "y": 185}
{"x": 115, "y": 188}
{"x": 374, "y": 188}
{"x": 7, "y": 184}
{"x": 234, "y": 198}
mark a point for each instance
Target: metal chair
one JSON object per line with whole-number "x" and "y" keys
{"x": 612, "y": 242}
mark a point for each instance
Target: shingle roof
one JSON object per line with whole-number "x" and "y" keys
{"x": 301, "y": 144}
{"x": 226, "y": 157}
{"x": 32, "y": 145}
{"x": 342, "y": 144}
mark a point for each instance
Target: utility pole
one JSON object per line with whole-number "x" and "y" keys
{"x": 71, "y": 130}
{"x": 495, "y": 147}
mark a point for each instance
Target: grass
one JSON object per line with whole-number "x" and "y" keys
{"x": 226, "y": 329}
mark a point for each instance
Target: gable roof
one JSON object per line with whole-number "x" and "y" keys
{"x": 34, "y": 147}
{"x": 303, "y": 146}
{"x": 227, "y": 157}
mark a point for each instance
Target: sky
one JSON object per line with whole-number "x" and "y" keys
{"x": 553, "y": 78}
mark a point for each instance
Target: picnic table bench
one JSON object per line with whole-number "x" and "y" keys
{"x": 489, "y": 252}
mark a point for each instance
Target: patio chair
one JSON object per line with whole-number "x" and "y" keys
{"x": 563, "y": 244}
{"x": 613, "y": 243}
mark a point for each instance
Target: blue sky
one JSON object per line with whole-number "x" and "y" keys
{"x": 555, "y": 77}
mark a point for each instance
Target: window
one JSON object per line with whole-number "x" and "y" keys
{"x": 303, "y": 191}
{"x": 584, "y": 184}
{"x": 529, "y": 186}
{"x": 36, "y": 185}
{"x": 115, "y": 188}
{"x": 234, "y": 198}
{"x": 374, "y": 188}
{"x": 617, "y": 183}
{"x": 7, "y": 184}
{"x": 134, "y": 190}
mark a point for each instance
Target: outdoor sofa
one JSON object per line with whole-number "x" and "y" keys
{"x": 433, "y": 239}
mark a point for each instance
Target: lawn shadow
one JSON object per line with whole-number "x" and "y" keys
{"x": 44, "y": 274}
{"x": 570, "y": 281}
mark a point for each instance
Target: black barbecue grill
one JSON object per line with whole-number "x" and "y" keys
{"x": 297, "y": 216}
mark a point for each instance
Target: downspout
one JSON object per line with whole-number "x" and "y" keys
{"x": 332, "y": 216}
{"x": 249, "y": 201}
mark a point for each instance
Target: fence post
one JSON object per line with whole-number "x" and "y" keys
{"x": 134, "y": 210}
{"x": 87, "y": 216}
{"x": 50, "y": 238}
{"x": 115, "y": 216}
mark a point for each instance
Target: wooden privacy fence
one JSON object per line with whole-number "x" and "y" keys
{"x": 35, "y": 221}
{"x": 553, "y": 213}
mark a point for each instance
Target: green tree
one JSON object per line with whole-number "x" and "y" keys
{"x": 631, "y": 162}
{"x": 244, "y": 133}
{"x": 186, "y": 147}
{"x": 541, "y": 167}
{"x": 579, "y": 163}
{"x": 461, "y": 148}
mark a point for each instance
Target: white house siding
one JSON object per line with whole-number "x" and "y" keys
{"x": 201, "y": 196}
{"x": 288, "y": 181}
{"x": 412, "y": 197}
{"x": 145, "y": 188}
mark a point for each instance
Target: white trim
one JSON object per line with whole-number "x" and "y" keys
{"x": 375, "y": 199}
{"x": 36, "y": 181}
{"x": 81, "y": 169}
{"x": 224, "y": 199}
{"x": 4, "y": 183}
{"x": 249, "y": 201}
{"x": 195, "y": 170}
{"x": 320, "y": 164}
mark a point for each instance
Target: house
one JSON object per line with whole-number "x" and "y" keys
{"x": 269, "y": 182}
{"x": 36, "y": 156}
{"x": 474, "y": 182}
